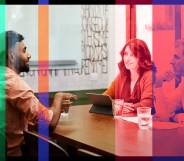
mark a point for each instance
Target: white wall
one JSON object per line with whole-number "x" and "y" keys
{"x": 65, "y": 32}
{"x": 103, "y": 36}
{"x": 96, "y": 45}
{"x": 143, "y": 22}
{"x": 24, "y": 19}
{"x": 120, "y": 33}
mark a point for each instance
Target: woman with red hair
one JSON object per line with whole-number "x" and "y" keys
{"x": 133, "y": 84}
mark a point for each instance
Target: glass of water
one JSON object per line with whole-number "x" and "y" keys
{"x": 144, "y": 117}
{"x": 118, "y": 107}
{"x": 65, "y": 116}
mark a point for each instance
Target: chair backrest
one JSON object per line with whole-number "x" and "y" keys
{"x": 31, "y": 146}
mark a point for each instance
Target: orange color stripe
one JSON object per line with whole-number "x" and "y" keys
{"x": 43, "y": 48}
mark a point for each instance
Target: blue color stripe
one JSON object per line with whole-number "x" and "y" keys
{"x": 168, "y": 158}
{"x": 43, "y": 129}
{"x": 43, "y": 1}
{"x": 167, "y": 2}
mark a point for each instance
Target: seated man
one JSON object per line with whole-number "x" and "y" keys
{"x": 170, "y": 108}
{"x": 21, "y": 104}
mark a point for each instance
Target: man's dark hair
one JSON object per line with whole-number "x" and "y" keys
{"x": 8, "y": 40}
{"x": 12, "y": 38}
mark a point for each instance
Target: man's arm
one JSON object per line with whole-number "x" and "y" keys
{"x": 168, "y": 106}
{"x": 58, "y": 107}
{"x": 165, "y": 77}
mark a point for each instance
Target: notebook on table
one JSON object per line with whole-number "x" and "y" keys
{"x": 101, "y": 104}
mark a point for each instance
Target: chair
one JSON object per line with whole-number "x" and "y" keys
{"x": 31, "y": 147}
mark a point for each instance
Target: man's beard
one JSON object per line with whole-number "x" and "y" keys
{"x": 23, "y": 68}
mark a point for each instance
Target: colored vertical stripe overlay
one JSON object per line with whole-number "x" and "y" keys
{"x": 2, "y": 1}
{"x": 21, "y": 2}
{"x": 82, "y": 2}
{"x": 43, "y": 78}
{"x": 168, "y": 158}
{"x": 133, "y": 1}
{"x": 43, "y": 1}
{"x": 2, "y": 83}
{"x": 167, "y": 144}
{"x": 91, "y": 2}
{"x": 167, "y": 2}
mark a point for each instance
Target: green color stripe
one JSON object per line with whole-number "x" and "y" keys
{"x": 2, "y": 2}
{"x": 2, "y": 82}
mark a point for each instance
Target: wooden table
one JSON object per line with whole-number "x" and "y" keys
{"x": 107, "y": 136}
{"x": 104, "y": 135}
{"x": 168, "y": 142}
{"x": 97, "y": 133}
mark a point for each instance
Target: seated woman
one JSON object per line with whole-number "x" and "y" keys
{"x": 133, "y": 84}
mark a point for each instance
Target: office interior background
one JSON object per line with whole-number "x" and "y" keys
{"x": 85, "y": 41}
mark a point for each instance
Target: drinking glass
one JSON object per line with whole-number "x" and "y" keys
{"x": 144, "y": 117}
{"x": 118, "y": 107}
{"x": 65, "y": 116}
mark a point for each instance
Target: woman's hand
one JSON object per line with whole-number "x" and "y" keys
{"x": 128, "y": 107}
{"x": 120, "y": 109}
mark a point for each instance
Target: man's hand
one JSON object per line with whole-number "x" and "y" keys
{"x": 179, "y": 118}
{"x": 161, "y": 117}
{"x": 165, "y": 77}
{"x": 59, "y": 105}
{"x": 66, "y": 102}
{"x": 69, "y": 96}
